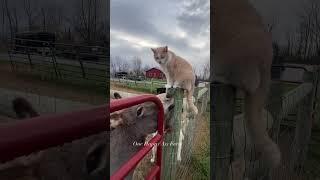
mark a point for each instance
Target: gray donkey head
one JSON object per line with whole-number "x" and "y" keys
{"x": 126, "y": 127}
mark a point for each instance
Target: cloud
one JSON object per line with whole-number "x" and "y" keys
{"x": 194, "y": 16}
{"x": 138, "y": 25}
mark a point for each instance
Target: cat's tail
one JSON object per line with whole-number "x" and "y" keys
{"x": 190, "y": 101}
{"x": 254, "y": 104}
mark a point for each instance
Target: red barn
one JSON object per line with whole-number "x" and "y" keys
{"x": 155, "y": 73}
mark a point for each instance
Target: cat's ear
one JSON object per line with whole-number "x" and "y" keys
{"x": 153, "y": 50}
{"x": 166, "y": 49}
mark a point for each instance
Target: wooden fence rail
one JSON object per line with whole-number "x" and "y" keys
{"x": 300, "y": 99}
{"x": 184, "y": 125}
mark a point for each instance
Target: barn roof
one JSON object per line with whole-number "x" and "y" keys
{"x": 153, "y": 68}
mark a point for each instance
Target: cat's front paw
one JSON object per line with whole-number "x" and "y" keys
{"x": 176, "y": 86}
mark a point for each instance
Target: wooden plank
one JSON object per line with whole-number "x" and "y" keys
{"x": 222, "y": 112}
{"x": 170, "y": 147}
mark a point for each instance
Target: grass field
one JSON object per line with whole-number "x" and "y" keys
{"x": 46, "y": 83}
{"x": 201, "y": 158}
{"x": 70, "y": 76}
{"x": 142, "y": 86}
{"x": 313, "y": 158}
{"x": 195, "y": 167}
{"x": 311, "y": 169}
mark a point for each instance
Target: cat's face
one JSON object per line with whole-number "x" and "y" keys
{"x": 160, "y": 54}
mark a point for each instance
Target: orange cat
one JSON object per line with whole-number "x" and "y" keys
{"x": 243, "y": 58}
{"x": 178, "y": 71}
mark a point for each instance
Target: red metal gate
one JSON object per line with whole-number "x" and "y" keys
{"x": 132, "y": 163}
{"x": 31, "y": 135}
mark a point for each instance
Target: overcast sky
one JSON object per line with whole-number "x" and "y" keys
{"x": 138, "y": 25}
{"x": 284, "y": 11}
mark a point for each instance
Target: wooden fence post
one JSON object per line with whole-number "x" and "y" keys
{"x": 316, "y": 106}
{"x": 151, "y": 86}
{"x": 222, "y": 112}
{"x": 275, "y": 105}
{"x": 303, "y": 127}
{"x": 302, "y": 133}
{"x": 81, "y": 64}
{"x": 54, "y": 61}
{"x": 171, "y": 139}
{"x": 29, "y": 58}
{"x": 204, "y": 99}
{"x": 11, "y": 61}
{"x": 188, "y": 140}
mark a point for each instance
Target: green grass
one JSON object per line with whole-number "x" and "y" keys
{"x": 201, "y": 166}
{"x": 142, "y": 86}
{"x": 157, "y": 80}
{"x": 200, "y": 160}
{"x": 83, "y": 85}
{"x": 64, "y": 69}
{"x": 46, "y": 72}
{"x": 313, "y": 158}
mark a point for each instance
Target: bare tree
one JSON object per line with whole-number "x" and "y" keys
{"x": 316, "y": 28}
{"x": 288, "y": 51}
{"x": 125, "y": 66}
{"x": 43, "y": 14}
{"x": 3, "y": 15}
{"x": 308, "y": 31}
{"x": 10, "y": 19}
{"x": 136, "y": 66}
{"x": 113, "y": 66}
{"x": 146, "y": 67}
{"x": 89, "y": 22}
{"x": 272, "y": 24}
{"x": 118, "y": 63}
{"x": 30, "y": 12}
{"x": 54, "y": 17}
{"x": 121, "y": 64}
{"x": 206, "y": 70}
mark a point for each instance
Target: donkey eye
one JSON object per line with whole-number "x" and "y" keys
{"x": 140, "y": 111}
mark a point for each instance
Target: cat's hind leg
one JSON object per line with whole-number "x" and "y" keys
{"x": 169, "y": 83}
{"x": 191, "y": 105}
{"x": 168, "y": 86}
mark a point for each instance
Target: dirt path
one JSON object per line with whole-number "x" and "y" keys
{"x": 16, "y": 81}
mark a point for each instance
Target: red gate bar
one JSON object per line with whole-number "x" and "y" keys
{"x": 31, "y": 135}
{"x": 132, "y": 163}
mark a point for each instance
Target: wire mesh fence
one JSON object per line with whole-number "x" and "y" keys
{"x": 150, "y": 86}
{"x": 287, "y": 119}
{"x": 186, "y": 148}
{"x": 80, "y": 64}
{"x": 87, "y": 68}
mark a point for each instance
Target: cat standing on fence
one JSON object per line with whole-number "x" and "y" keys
{"x": 178, "y": 71}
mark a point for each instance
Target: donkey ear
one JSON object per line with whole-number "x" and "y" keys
{"x": 115, "y": 120}
{"x": 140, "y": 111}
{"x": 117, "y": 95}
{"x": 153, "y": 50}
